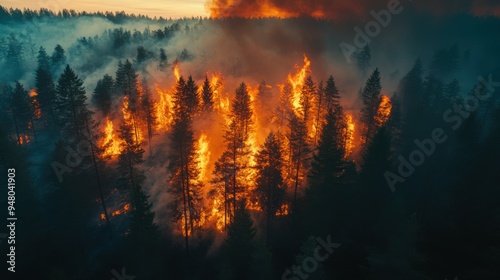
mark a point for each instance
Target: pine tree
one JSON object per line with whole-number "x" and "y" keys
{"x": 235, "y": 159}
{"x": 141, "y": 216}
{"x": 371, "y": 101}
{"x": 270, "y": 189}
{"x": 221, "y": 184}
{"x": 102, "y": 94}
{"x": 299, "y": 151}
{"x": 13, "y": 59}
{"x": 306, "y": 99}
{"x": 331, "y": 95}
{"x": 191, "y": 95}
{"x": 328, "y": 161}
{"x": 70, "y": 104}
{"x": 284, "y": 107}
{"x": 148, "y": 111}
{"x": 22, "y": 113}
{"x": 362, "y": 58}
{"x": 207, "y": 96}
{"x": 163, "y": 59}
{"x": 239, "y": 245}
{"x": 127, "y": 84}
{"x": 58, "y": 59}
{"x": 183, "y": 182}
{"x": 130, "y": 158}
{"x": 43, "y": 60}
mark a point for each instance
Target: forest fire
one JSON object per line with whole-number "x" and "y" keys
{"x": 111, "y": 143}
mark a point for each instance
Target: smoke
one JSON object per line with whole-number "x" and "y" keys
{"x": 340, "y": 10}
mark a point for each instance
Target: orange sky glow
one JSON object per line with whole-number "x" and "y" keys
{"x": 164, "y": 8}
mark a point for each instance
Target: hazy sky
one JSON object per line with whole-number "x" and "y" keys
{"x": 165, "y": 8}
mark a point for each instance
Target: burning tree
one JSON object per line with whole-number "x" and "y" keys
{"x": 371, "y": 101}
{"x": 148, "y": 111}
{"x": 234, "y": 163}
{"x": 186, "y": 206}
{"x": 22, "y": 112}
{"x": 299, "y": 151}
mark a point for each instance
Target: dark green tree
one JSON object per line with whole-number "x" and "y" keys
{"x": 371, "y": 101}
{"x": 270, "y": 187}
{"x": 70, "y": 105}
{"x": 103, "y": 93}
{"x": 239, "y": 245}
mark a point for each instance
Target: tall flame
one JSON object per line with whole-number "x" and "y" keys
{"x": 163, "y": 113}
{"x": 297, "y": 82}
{"x": 177, "y": 73}
{"x": 203, "y": 156}
{"x": 110, "y": 142}
{"x": 349, "y": 143}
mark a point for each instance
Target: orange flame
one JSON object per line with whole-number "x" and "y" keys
{"x": 297, "y": 82}
{"x": 36, "y": 105}
{"x": 110, "y": 142}
{"x": 177, "y": 73}
{"x": 349, "y": 143}
{"x": 163, "y": 113}
{"x": 384, "y": 110}
{"x": 203, "y": 156}
{"x": 24, "y": 139}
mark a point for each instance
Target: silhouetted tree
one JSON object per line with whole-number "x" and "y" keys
{"x": 270, "y": 186}
{"x": 103, "y": 93}
{"x": 371, "y": 101}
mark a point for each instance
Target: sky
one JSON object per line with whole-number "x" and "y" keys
{"x": 165, "y": 8}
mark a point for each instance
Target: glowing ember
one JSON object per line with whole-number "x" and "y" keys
{"x": 37, "y": 112}
{"x": 111, "y": 143}
{"x": 284, "y": 210}
{"x": 24, "y": 139}
{"x": 203, "y": 156}
{"x": 117, "y": 212}
{"x": 384, "y": 110}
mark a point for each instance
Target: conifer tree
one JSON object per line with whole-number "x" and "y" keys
{"x": 270, "y": 189}
{"x": 371, "y": 101}
{"x": 207, "y": 96}
{"x": 102, "y": 94}
{"x": 70, "y": 104}
{"x": 239, "y": 245}
{"x": 183, "y": 181}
